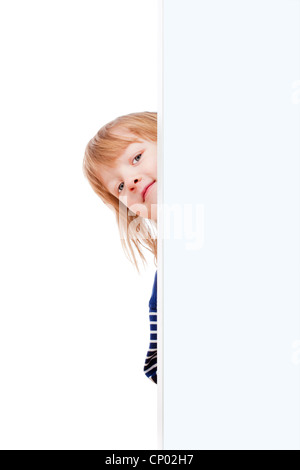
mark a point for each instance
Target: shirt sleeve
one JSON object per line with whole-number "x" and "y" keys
{"x": 150, "y": 367}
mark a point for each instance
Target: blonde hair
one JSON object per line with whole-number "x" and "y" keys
{"x": 104, "y": 149}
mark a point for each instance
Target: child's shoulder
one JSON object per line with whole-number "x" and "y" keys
{"x": 153, "y": 299}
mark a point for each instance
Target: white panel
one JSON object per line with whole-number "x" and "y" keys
{"x": 231, "y": 348}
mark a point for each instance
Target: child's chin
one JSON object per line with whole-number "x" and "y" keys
{"x": 153, "y": 212}
{"x": 148, "y": 211}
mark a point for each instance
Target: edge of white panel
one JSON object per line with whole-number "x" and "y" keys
{"x": 160, "y": 231}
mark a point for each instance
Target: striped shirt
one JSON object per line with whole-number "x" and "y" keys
{"x": 150, "y": 367}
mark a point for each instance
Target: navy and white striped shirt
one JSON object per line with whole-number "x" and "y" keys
{"x": 150, "y": 367}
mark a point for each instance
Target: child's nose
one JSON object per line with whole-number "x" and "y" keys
{"x": 135, "y": 181}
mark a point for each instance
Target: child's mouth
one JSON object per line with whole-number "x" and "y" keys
{"x": 148, "y": 187}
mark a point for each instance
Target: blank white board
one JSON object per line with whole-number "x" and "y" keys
{"x": 231, "y": 335}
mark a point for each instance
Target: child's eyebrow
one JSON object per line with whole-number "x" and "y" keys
{"x": 129, "y": 154}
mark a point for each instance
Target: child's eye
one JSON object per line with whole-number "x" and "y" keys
{"x": 139, "y": 155}
{"x": 119, "y": 186}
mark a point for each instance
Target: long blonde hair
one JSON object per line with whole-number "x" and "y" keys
{"x": 103, "y": 149}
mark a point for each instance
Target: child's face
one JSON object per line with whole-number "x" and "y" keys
{"x": 135, "y": 170}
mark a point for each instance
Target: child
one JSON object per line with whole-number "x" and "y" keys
{"x": 120, "y": 165}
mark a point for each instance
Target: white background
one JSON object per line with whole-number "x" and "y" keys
{"x": 74, "y": 325}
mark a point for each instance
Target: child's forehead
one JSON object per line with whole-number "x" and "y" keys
{"x": 126, "y": 153}
{"x": 121, "y": 131}
{"x": 135, "y": 141}
{"x": 125, "y": 133}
